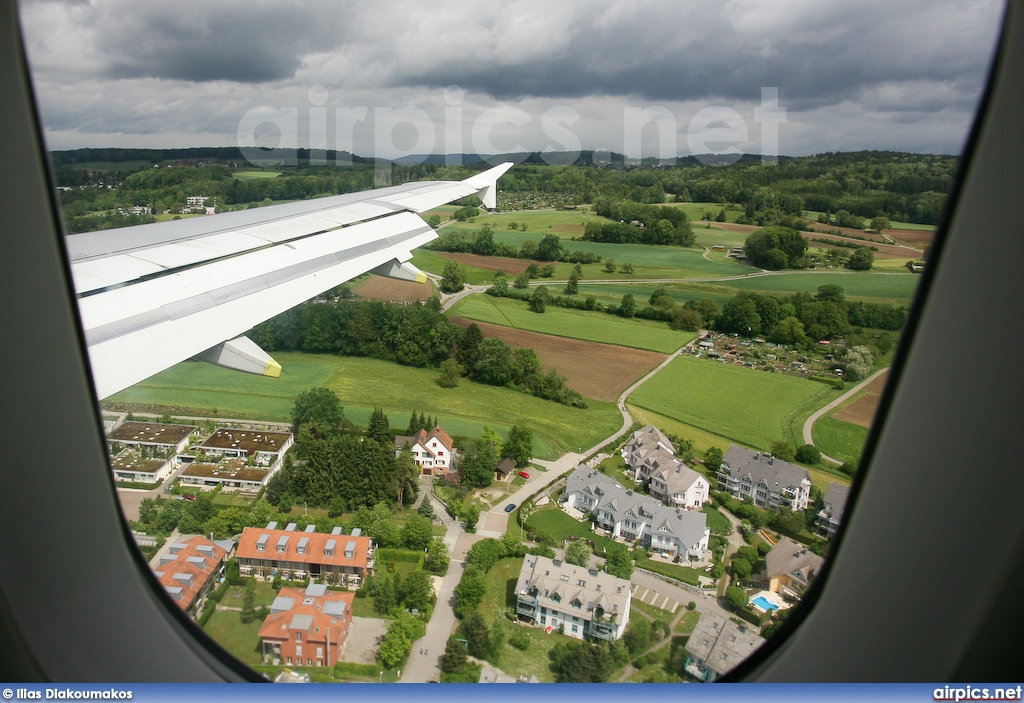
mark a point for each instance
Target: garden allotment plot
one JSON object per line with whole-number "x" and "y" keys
{"x": 749, "y": 407}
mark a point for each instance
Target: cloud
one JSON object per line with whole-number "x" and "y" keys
{"x": 192, "y": 68}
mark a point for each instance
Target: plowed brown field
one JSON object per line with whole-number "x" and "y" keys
{"x": 862, "y": 411}
{"x": 599, "y": 371}
{"x": 389, "y": 289}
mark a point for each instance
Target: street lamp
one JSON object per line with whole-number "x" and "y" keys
{"x": 380, "y": 679}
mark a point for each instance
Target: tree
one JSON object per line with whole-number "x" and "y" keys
{"x": 783, "y": 450}
{"x": 379, "y": 428}
{"x": 859, "y": 362}
{"x": 467, "y": 349}
{"x": 539, "y": 299}
{"x": 522, "y": 281}
{"x": 451, "y": 372}
{"x": 776, "y": 247}
{"x": 628, "y": 307}
{"x": 519, "y": 445}
{"x": 638, "y": 635}
{"x": 547, "y": 271}
{"x": 736, "y": 597}
{"x": 609, "y": 265}
{"x": 437, "y": 556}
{"x": 319, "y": 407}
{"x": 618, "y": 563}
{"x": 578, "y": 553}
{"x": 248, "y": 613}
{"x": 861, "y": 260}
{"x": 500, "y": 286}
{"x": 626, "y": 267}
{"x": 417, "y": 532}
{"x": 474, "y": 630}
{"x": 494, "y": 362}
{"x": 550, "y": 248}
{"x": 417, "y": 591}
{"x": 386, "y": 597}
{"x": 741, "y": 568}
{"x": 713, "y": 458}
{"x": 573, "y": 286}
{"x": 469, "y": 593}
{"x": 453, "y": 279}
{"x": 685, "y": 319}
{"x": 808, "y": 454}
{"x": 454, "y": 657}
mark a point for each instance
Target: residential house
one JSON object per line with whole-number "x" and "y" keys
{"x": 130, "y": 465}
{"x": 163, "y": 438}
{"x": 432, "y": 451}
{"x": 265, "y": 552}
{"x": 769, "y": 482}
{"x": 260, "y": 449}
{"x": 831, "y": 514}
{"x": 190, "y": 568}
{"x": 680, "y": 487}
{"x": 196, "y": 201}
{"x": 505, "y": 470}
{"x": 232, "y": 474}
{"x": 790, "y": 567}
{"x": 307, "y": 626}
{"x": 717, "y": 645}
{"x": 585, "y": 603}
{"x": 643, "y": 441}
{"x": 636, "y": 517}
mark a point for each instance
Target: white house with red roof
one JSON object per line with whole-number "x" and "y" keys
{"x": 432, "y": 451}
{"x": 190, "y": 568}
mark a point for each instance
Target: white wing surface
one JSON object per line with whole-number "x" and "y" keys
{"x": 153, "y": 295}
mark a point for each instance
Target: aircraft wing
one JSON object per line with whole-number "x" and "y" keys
{"x": 153, "y": 295}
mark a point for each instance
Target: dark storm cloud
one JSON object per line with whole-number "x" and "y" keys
{"x": 248, "y": 42}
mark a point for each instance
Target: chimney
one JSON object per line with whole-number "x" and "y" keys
{"x": 771, "y": 461}
{"x": 757, "y": 456}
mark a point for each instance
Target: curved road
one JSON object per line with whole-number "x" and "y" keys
{"x": 808, "y": 438}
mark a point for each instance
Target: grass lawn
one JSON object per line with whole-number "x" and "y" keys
{"x": 265, "y": 595}
{"x": 871, "y": 287}
{"x": 656, "y": 668}
{"x": 682, "y": 573}
{"x": 167, "y": 216}
{"x": 501, "y": 583}
{"x": 231, "y": 500}
{"x": 841, "y": 440}
{"x": 615, "y": 467}
{"x": 688, "y": 622}
{"x": 654, "y": 611}
{"x": 195, "y": 388}
{"x": 247, "y": 174}
{"x": 718, "y": 523}
{"x": 747, "y": 406}
{"x": 702, "y": 439}
{"x": 559, "y": 525}
{"x": 242, "y": 640}
{"x": 431, "y": 261}
{"x": 576, "y": 324}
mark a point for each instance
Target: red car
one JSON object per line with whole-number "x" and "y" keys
{"x": 524, "y": 474}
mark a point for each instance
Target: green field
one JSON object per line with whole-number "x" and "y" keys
{"x": 427, "y": 260}
{"x": 613, "y": 292}
{"x": 112, "y": 165}
{"x": 559, "y": 525}
{"x": 840, "y": 440}
{"x": 564, "y": 223}
{"x": 244, "y": 175}
{"x": 192, "y": 388}
{"x": 749, "y": 407}
{"x": 577, "y": 324}
{"x": 871, "y": 287}
{"x": 241, "y": 640}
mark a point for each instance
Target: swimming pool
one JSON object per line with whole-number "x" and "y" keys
{"x": 764, "y": 604}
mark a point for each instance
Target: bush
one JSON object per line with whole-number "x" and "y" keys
{"x": 808, "y": 454}
{"x": 520, "y": 639}
{"x": 833, "y": 381}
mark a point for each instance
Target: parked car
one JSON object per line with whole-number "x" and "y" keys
{"x": 524, "y": 474}
{"x": 510, "y": 507}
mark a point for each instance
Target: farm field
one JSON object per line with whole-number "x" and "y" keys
{"x": 192, "y": 388}
{"x": 248, "y": 174}
{"x": 390, "y": 289}
{"x": 861, "y": 411}
{"x": 112, "y": 165}
{"x": 576, "y": 324}
{"x": 600, "y": 371}
{"x": 871, "y": 287}
{"x": 434, "y": 262}
{"x": 564, "y": 223}
{"x": 753, "y": 408}
{"x": 840, "y": 440}
{"x": 613, "y": 292}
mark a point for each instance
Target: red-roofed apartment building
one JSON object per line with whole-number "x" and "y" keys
{"x": 264, "y": 552}
{"x": 432, "y": 451}
{"x": 190, "y": 569}
{"x": 307, "y": 627}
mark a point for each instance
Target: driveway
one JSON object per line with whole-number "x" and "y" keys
{"x": 423, "y": 664}
{"x": 361, "y": 646}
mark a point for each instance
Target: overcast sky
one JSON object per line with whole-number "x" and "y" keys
{"x": 645, "y": 77}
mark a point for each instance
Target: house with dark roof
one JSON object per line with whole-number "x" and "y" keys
{"x": 636, "y": 517}
{"x": 767, "y": 481}
{"x": 505, "y": 470}
{"x": 652, "y": 461}
{"x": 717, "y": 645}
{"x": 307, "y": 627}
{"x": 264, "y": 552}
{"x": 585, "y": 603}
{"x": 190, "y": 568}
{"x": 164, "y": 438}
{"x": 831, "y": 513}
{"x": 790, "y": 567}
{"x": 432, "y": 451}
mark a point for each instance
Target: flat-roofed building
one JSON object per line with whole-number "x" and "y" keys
{"x": 266, "y": 449}
{"x": 233, "y": 474}
{"x": 307, "y": 626}
{"x": 264, "y": 552}
{"x": 585, "y": 603}
{"x": 130, "y": 465}
{"x": 164, "y": 437}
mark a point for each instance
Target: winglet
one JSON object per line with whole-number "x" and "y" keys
{"x": 486, "y": 184}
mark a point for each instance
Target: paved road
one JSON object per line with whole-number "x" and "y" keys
{"x": 809, "y": 425}
{"x": 425, "y": 666}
